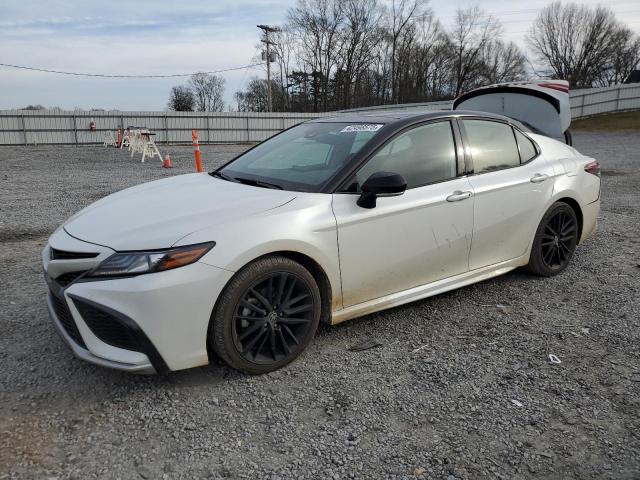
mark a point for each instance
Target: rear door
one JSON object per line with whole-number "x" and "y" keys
{"x": 512, "y": 183}
{"x": 412, "y": 239}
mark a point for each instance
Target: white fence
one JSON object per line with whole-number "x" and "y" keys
{"x": 584, "y": 102}
{"x": 592, "y": 101}
{"x": 35, "y": 127}
{"x": 29, "y": 127}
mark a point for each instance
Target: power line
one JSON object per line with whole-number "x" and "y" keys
{"x": 101, "y": 75}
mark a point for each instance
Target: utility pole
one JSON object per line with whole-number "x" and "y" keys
{"x": 267, "y": 41}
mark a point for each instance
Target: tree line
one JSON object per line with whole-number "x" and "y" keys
{"x": 340, "y": 54}
{"x": 203, "y": 93}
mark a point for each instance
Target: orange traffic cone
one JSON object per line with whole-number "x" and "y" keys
{"x": 167, "y": 162}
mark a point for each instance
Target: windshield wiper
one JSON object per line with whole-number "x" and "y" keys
{"x": 258, "y": 183}
{"x": 223, "y": 176}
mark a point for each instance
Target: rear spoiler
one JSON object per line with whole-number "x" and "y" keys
{"x": 544, "y": 105}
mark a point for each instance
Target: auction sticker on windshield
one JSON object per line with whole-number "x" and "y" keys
{"x": 362, "y": 127}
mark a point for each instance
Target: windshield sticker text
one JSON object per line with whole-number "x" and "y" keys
{"x": 362, "y": 127}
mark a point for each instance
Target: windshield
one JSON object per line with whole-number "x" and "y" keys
{"x": 302, "y": 158}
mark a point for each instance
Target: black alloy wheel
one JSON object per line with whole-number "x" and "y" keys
{"x": 555, "y": 241}
{"x": 558, "y": 240}
{"x": 266, "y": 316}
{"x": 272, "y": 318}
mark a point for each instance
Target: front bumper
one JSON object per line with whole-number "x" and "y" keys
{"x": 86, "y": 355}
{"x": 164, "y": 316}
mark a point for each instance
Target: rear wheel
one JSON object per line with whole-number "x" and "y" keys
{"x": 266, "y": 316}
{"x": 555, "y": 241}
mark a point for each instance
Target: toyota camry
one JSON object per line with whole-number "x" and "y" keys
{"x": 327, "y": 221}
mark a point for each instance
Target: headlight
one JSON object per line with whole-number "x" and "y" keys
{"x": 136, "y": 263}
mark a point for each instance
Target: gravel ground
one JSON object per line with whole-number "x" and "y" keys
{"x": 461, "y": 387}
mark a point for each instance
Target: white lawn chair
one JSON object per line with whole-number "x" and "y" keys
{"x": 109, "y": 139}
{"x": 136, "y": 143}
{"x": 126, "y": 141}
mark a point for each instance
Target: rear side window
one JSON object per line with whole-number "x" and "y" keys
{"x": 493, "y": 145}
{"x": 527, "y": 148}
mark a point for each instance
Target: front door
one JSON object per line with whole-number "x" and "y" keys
{"x": 412, "y": 239}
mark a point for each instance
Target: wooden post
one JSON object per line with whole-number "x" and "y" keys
{"x": 75, "y": 129}
{"x": 248, "y": 137}
{"x": 24, "y": 130}
{"x": 208, "y": 128}
{"x": 166, "y": 128}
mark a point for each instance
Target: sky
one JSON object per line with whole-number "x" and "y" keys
{"x": 154, "y": 37}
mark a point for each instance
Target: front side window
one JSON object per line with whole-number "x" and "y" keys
{"x": 423, "y": 155}
{"x": 493, "y": 145}
{"x": 302, "y": 158}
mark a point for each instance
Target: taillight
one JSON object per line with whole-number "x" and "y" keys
{"x": 593, "y": 168}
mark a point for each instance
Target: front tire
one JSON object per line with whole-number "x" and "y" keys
{"x": 555, "y": 241}
{"x": 266, "y": 315}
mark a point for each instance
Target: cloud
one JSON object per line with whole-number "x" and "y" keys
{"x": 142, "y": 37}
{"x": 161, "y": 37}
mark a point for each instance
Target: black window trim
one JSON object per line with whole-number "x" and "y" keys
{"x": 467, "y": 143}
{"x": 458, "y": 151}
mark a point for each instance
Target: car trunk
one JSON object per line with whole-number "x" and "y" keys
{"x": 543, "y": 105}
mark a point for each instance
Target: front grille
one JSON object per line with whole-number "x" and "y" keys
{"x": 108, "y": 328}
{"x": 64, "y": 316}
{"x": 68, "y": 278}
{"x": 56, "y": 254}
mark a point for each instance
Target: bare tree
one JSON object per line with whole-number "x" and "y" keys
{"x": 581, "y": 44}
{"x": 181, "y": 99}
{"x": 317, "y": 23}
{"x": 338, "y": 54}
{"x": 208, "y": 91}
{"x": 472, "y": 32}
{"x": 284, "y": 44}
{"x": 403, "y": 12}
{"x": 502, "y": 62}
{"x": 424, "y": 54}
{"x": 358, "y": 36}
{"x": 255, "y": 97}
{"x": 624, "y": 59}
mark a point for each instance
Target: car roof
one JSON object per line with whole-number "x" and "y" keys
{"x": 401, "y": 116}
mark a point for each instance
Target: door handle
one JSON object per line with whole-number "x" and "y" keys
{"x": 539, "y": 177}
{"x": 458, "y": 195}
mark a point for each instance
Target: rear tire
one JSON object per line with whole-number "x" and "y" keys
{"x": 266, "y": 316}
{"x": 555, "y": 241}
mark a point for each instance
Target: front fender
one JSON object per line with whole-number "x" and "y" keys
{"x": 306, "y": 226}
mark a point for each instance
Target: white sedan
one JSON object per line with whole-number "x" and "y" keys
{"x": 329, "y": 220}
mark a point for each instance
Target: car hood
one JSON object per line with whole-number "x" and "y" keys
{"x": 158, "y": 214}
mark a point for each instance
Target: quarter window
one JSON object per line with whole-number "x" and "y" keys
{"x": 422, "y": 155}
{"x": 527, "y": 148}
{"x": 493, "y": 145}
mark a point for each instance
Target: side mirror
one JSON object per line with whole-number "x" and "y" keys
{"x": 381, "y": 184}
